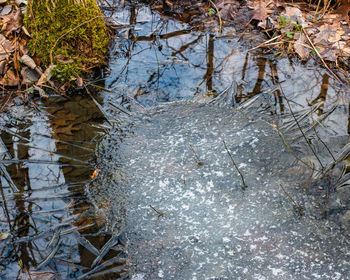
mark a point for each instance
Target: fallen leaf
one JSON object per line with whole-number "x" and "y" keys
{"x": 3, "y": 67}
{"x": 64, "y": 60}
{"x": 329, "y": 54}
{"x": 6, "y": 47}
{"x": 9, "y": 79}
{"x": 299, "y": 46}
{"x": 95, "y": 173}
{"x": 29, "y": 76}
{"x": 26, "y": 31}
{"x": 227, "y": 8}
{"x": 27, "y": 60}
{"x": 6, "y": 10}
{"x": 80, "y": 81}
{"x": 294, "y": 14}
{"x": 42, "y": 92}
{"x": 260, "y": 10}
{"x": 46, "y": 76}
{"x": 11, "y": 22}
{"x": 4, "y": 236}
{"x": 329, "y": 33}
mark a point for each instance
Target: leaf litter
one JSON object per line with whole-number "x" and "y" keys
{"x": 329, "y": 33}
{"x": 292, "y": 22}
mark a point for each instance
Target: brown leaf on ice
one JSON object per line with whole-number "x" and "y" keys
{"x": 6, "y": 48}
{"x": 11, "y": 22}
{"x": 300, "y": 46}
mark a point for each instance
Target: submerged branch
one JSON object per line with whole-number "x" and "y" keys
{"x": 198, "y": 161}
{"x": 297, "y": 205}
{"x": 244, "y": 186}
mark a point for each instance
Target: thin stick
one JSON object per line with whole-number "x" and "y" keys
{"x": 218, "y": 13}
{"x": 319, "y": 138}
{"x": 244, "y": 186}
{"x": 66, "y": 33}
{"x": 301, "y": 130}
{"x": 198, "y": 161}
{"x": 297, "y": 205}
{"x": 120, "y": 108}
{"x": 264, "y": 43}
{"x": 289, "y": 148}
{"x": 317, "y": 8}
{"x": 160, "y": 214}
{"x": 318, "y": 54}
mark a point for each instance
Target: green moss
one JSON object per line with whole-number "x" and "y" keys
{"x": 74, "y": 29}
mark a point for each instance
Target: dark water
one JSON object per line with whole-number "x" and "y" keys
{"x": 48, "y": 150}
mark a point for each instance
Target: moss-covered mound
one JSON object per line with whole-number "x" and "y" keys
{"x": 70, "y": 34}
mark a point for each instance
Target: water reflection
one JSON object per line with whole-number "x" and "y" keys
{"x": 48, "y": 151}
{"x": 46, "y": 163}
{"x": 160, "y": 59}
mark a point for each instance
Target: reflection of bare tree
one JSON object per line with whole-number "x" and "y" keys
{"x": 19, "y": 213}
{"x": 321, "y": 98}
{"x": 277, "y": 93}
{"x": 210, "y": 63}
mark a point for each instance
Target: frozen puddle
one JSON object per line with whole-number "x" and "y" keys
{"x": 212, "y": 228}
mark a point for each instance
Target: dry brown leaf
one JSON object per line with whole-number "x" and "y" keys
{"x": 42, "y": 92}
{"x": 46, "y": 76}
{"x": 329, "y": 54}
{"x": 80, "y": 81}
{"x": 6, "y": 47}
{"x": 64, "y": 60}
{"x": 26, "y": 31}
{"x": 261, "y": 11}
{"x": 3, "y": 67}
{"x": 29, "y": 76}
{"x": 227, "y": 8}
{"x": 294, "y": 14}
{"x": 299, "y": 46}
{"x": 9, "y": 79}
{"x": 11, "y": 22}
{"x": 6, "y": 10}
{"x": 27, "y": 60}
{"x": 329, "y": 33}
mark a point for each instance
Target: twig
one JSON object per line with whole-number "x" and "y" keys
{"x": 289, "y": 148}
{"x": 319, "y": 138}
{"x": 244, "y": 186}
{"x": 160, "y": 214}
{"x": 318, "y": 54}
{"x": 120, "y": 108}
{"x": 297, "y": 205}
{"x": 218, "y": 13}
{"x": 299, "y": 127}
{"x": 317, "y": 8}
{"x": 264, "y": 43}
{"x": 66, "y": 33}
{"x": 198, "y": 161}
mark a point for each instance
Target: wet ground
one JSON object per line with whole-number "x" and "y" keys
{"x": 48, "y": 153}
